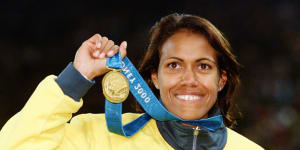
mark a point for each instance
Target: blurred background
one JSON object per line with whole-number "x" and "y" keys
{"x": 39, "y": 38}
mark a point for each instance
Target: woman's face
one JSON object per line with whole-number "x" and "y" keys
{"x": 188, "y": 77}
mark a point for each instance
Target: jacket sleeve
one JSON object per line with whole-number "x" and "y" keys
{"x": 41, "y": 123}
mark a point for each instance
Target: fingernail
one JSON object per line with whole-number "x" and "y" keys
{"x": 96, "y": 53}
{"x": 102, "y": 55}
{"x": 110, "y": 53}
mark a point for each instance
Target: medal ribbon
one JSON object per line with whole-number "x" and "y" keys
{"x": 143, "y": 94}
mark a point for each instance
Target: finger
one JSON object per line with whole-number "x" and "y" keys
{"x": 97, "y": 50}
{"x": 113, "y": 51}
{"x": 104, "y": 41}
{"x": 98, "y": 44}
{"x": 95, "y": 38}
{"x": 96, "y": 54}
{"x": 90, "y": 44}
{"x": 123, "y": 48}
{"x": 87, "y": 45}
{"x": 108, "y": 46}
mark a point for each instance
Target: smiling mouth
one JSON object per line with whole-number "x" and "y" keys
{"x": 189, "y": 97}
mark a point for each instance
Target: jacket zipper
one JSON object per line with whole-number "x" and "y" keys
{"x": 196, "y": 132}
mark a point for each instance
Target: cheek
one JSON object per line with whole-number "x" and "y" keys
{"x": 166, "y": 83}
{"x": 210, "y": 82}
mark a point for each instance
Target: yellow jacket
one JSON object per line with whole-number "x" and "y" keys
{"x": 43, "y": 125}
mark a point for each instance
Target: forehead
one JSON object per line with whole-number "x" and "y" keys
{"x": 187, "y": 45}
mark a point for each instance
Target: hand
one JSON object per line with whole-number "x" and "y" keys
{"x": 90, "y": 58}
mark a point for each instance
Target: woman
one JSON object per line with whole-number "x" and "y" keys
{"x": 188, "y": 65}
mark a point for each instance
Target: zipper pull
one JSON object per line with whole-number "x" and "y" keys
{"x": 196, "y": 130}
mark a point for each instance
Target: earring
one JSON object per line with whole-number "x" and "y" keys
{"x": 155, "y": 85}
{"x": 220, "y": 89}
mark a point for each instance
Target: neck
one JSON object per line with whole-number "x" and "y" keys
{"x": 194, "y": 126}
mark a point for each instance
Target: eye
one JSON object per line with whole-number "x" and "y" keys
{"x": 204, "y": 67}
{"x": 173, "y": 65}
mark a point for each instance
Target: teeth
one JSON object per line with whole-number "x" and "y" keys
{"x": 188, "y": 97}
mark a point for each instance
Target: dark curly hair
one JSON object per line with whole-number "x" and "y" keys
{"x": 171, "y": 24}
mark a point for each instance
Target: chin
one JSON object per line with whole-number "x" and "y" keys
{"x": 191, "y": 116}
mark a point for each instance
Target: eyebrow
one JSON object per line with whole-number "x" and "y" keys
{"x": 198, "y": 60}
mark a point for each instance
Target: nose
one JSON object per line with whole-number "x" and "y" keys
{"x": 189, "y": 78}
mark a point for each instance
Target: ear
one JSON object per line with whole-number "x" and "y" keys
{"x": 154, "y": 78}
{"x": 222, "y": 81}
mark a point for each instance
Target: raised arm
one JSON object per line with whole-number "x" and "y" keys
{"x": 41, "y": 123}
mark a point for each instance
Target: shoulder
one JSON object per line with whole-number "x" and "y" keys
{"x": 238, "y": 141}
{"x": 90, "y": 124}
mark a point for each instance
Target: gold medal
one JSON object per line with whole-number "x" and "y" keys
{"x": 115, "y": 87}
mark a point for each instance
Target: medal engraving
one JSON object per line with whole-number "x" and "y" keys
{"x": 115, "y": 87}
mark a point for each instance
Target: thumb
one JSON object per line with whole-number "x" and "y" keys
{"x": 123, "y": 50}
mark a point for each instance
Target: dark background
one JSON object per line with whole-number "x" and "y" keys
{"x": 39, "y": 38}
